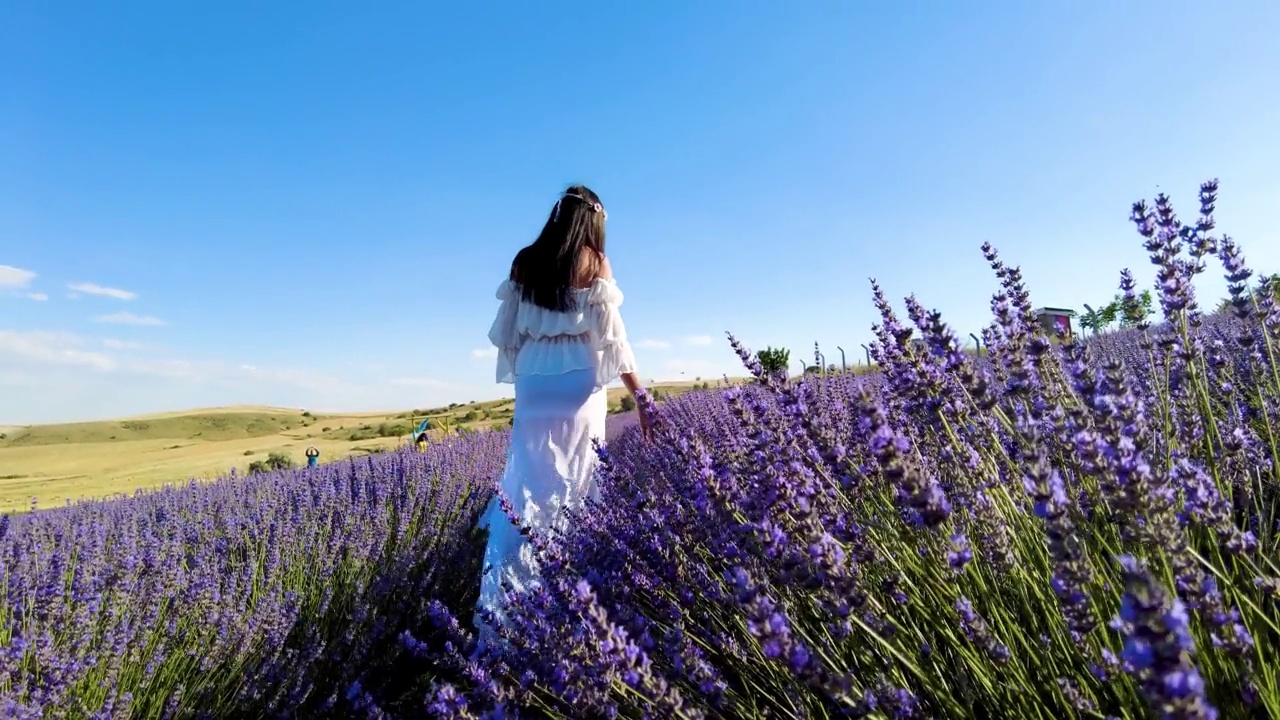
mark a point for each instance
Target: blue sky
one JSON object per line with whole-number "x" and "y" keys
{"x": 313, "y": 209}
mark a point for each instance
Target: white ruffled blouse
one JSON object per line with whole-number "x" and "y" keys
{"x": 533, "y": 340}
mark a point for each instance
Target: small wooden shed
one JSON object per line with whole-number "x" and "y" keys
{"x": 1056, "y": 322}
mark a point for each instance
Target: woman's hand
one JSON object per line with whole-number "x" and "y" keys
{"x": 645, "y": 430}
{"x": 632, "y": 381}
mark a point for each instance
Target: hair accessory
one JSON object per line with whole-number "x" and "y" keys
{"x": 597, "y": 207}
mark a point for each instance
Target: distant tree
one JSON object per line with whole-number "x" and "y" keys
{"x": 1109, "y": 313}
{"x": 1134, "y": 311}
{"x": 1095, "y": 320}
{"x": 275, "y": 461}
{"x": 775, "y": 361}
{"x": 1127, "y": 312}
{"x": 627, "y": 403}
{"x": 1091, "y": 320}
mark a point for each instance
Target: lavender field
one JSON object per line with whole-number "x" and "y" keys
{"x": 245, "y": 597}
{"x": 1058, "y": 529}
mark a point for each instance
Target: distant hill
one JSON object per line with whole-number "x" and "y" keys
{"x": 95, "y": 459}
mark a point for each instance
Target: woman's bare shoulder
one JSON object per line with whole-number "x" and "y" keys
{"x": 604, "y": 271}
{"x": 592, "y": 266}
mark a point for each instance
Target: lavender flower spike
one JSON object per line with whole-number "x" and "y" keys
{"x": 1158, "y": 647}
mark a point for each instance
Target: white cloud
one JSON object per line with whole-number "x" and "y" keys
{"x": 56, "y": 348}
{"x": 14, "y": 278}
{"x": 484, "y": 353}
{"x": 699, "y": 340}
{"x": 115, "y": 344}
{"x": 653, "y": 345}
{"x": 102, "y": 291}
{"x": 60, "y": 377}
{"x": 127, "y": 318}
{"x": 17, "y": 281}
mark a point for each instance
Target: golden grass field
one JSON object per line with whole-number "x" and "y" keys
{"x": 74, "y": 461}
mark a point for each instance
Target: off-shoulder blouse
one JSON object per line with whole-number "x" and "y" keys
{"x": 533, "y": 340}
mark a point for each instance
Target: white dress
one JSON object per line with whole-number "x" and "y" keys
{"x": 560, "y": 363}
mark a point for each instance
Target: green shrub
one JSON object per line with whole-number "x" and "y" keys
{"x": 775, "y": 361}
{"x": 393, "y": 429}
{"x": 274, "y": 461}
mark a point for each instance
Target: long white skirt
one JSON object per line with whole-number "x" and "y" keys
{"x": 549, "y": 468}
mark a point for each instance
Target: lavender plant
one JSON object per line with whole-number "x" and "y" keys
{"x": 1058, "y": 528}
{"x": 271, "y": 595}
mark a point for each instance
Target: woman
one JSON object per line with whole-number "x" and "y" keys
{"x": 560, "y": 340}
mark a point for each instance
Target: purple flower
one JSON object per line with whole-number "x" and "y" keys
{"x": 1158, "y": 646}
{"x": 975, "y": 628}
{"x": 959, "y": 555}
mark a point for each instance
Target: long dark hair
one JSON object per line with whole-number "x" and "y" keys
{"x": 568, "y": 251}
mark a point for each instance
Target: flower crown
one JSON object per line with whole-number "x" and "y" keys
{"x": 595, "y": 206}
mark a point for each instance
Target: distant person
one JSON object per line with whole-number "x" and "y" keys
{"x": 560, "y": 341}
{"x": 421, "y": 441}
{"x": 313, "y": 456}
